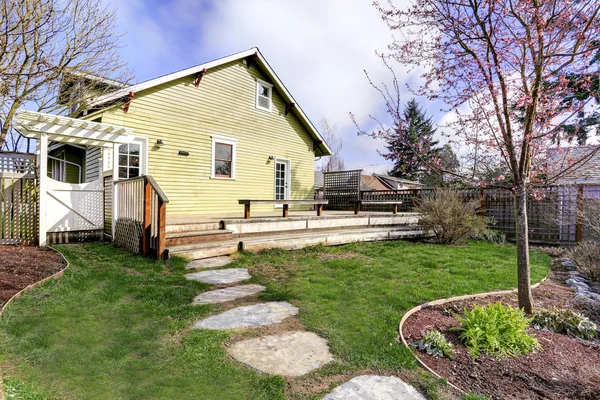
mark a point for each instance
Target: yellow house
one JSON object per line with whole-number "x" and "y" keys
{"x": 214, "y": 133}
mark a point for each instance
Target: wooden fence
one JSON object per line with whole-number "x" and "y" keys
{"x": 18, "y": 208}
{"x": 553, "y": 211}
{"x": 141, "y": 216}
{"x": 23, "y": 163}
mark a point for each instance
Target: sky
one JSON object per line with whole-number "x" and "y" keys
{"x": 319, "y": 49}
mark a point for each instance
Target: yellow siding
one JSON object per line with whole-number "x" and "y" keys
{"x": 224, "y": 104}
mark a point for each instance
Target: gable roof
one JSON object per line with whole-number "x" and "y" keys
{"x": 370, "y": 182}
{"x": 391, "y": 181}
{"x": 320, "y": 144}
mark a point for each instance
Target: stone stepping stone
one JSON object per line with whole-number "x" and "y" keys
{"x": 227, "y": 294}
{"x": 220, "y": 276}
{"x": 287, "y": 354}
{"x": 254, "y": 315}
{"x": 374, "y": 387}
{"x": 213, "y": 262}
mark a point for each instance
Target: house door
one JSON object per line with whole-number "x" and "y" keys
{"x": 282, "y": 180}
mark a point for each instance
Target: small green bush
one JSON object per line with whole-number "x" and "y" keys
{"x": 496, "y": 329}
{"x": 491, "y": 236}
{"x": 434, "y": 343}
{"x": 566, "y": 322}
{"x": 449, "y": 217}
{"x": 587, "y": 257}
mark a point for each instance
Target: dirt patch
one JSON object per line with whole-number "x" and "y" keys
{"x": 565, "y": 368}
{"x": 20, "y": 266}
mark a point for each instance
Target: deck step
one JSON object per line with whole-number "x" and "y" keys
{"x": 192, "y": 227}
{"x": 296, "y": 240}
{"x": 196, "y": 237}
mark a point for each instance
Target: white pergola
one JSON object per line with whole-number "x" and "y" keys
{"x": 47, "y": 127}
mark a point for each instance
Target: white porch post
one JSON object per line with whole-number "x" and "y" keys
{"x": 115, "y": 177}
{"x": 42, "y": 162}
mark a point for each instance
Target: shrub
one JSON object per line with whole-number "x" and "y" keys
{"x": 434, "y": 343}
{"x": 587, "y": 257}
{"x": 496, "y": 329}
{"x": 449, "y": 217}
{"x": 566, "y": 322}
{"x": 491, "y": 236}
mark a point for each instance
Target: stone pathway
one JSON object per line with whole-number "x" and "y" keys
{"x": 287, "y": 354}
{"x": 220, "y": 276}
{"x": 374, "y": 387}
{"x": 254, "y": 315}
{"x": 213, "y": 262}
{"x": 227, "y": 294}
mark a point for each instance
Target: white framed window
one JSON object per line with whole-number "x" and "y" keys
{"x": 264, "y": 95}
{"x": 223, "y": 157}
{"x": 129, "y": 160}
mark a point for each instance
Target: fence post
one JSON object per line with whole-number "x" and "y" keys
{"x": 146, "y": 233}
{"x": 579, "y": 226}
{"x": 481, "y": 202}
{"x": 162, "y": 222}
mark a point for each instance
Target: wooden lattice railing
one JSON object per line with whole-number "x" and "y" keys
{"x": 141, "y": 216}
{"x": 23, "y": 163}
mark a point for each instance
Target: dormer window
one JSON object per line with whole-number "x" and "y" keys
{"x": 264, "y": 95}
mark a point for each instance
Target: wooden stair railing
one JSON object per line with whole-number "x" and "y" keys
{"x": 141, "y": 199}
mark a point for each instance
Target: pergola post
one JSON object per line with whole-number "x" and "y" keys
{"x": 42, "y": 163}
{"x": 115, "y": 177}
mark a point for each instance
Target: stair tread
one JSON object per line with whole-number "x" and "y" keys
{"x": 198, "y": 233}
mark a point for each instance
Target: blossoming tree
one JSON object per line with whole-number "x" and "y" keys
{"x": 506, "y": 68}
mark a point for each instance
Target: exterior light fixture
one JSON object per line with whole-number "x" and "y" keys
{"x": 271, "y": 158}
{"x": 159, "y": 142}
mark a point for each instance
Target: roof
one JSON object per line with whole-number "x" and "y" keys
{"x": 390, "y": 180}
{"x": 370, "y": 182}
{"x": 261, "y": 61}
{"x": 586, "y": 171}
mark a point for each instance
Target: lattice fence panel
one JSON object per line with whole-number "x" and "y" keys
{"x": 342, "y": 188}
{"x": 128, "y": 234}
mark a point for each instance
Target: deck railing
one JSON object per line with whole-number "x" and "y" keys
{"x": 141, "y": 216}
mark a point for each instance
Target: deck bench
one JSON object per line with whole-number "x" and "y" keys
{"x": 286, "y": 205}
{"x": 359, "y": 203}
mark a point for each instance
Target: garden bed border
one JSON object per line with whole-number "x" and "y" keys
{"x": 444, "y": 301}
{"x": 28, "y": 288}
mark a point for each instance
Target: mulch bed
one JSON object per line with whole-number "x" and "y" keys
{"x": 566, "y": 368}
{"x": 20, "y": 266}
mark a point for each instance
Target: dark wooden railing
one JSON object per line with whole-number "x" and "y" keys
{"x": 141, "y": 216}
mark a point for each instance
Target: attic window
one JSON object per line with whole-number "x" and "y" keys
{"x": 264, "y": 95}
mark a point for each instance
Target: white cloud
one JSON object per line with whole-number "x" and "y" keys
{"x": 318, "y": 48}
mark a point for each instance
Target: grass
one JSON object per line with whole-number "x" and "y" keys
{"x": 115, "y": 326}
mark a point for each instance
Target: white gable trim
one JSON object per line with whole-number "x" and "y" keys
{"x": 215, "y": 63}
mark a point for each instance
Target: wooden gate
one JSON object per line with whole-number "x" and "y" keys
{"x": 75, "y": 211}
{"x": 18, "y": 208}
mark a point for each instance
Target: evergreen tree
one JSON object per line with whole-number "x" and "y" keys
{"x": 412, "y": 138}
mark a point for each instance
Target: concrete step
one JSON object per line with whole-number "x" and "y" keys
{"x": 196, "y": 237}
{"x": 264, "y": 225}
{"x": 296, "y": 240}
{"x": 192, "y": 227}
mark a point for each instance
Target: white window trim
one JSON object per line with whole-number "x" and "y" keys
{"x": 260, "y": 82}
{"x": 225, "y": 140}
{"x": 288, "y": 177}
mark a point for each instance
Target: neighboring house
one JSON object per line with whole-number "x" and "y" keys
{"x": 212, "y": 134}
{"x": 370, "y": 183}
{"x": 393, "y": 183}
{"x": 585, "y": 172}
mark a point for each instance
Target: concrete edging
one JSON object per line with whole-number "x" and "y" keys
{"x": 444, "y": 301}
{"x": 27, "y": 289}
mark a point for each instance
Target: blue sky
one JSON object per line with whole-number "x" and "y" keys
{"x": 318, "y": 48}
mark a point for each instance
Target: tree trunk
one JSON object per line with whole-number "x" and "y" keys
{"x": 522, "y": 230}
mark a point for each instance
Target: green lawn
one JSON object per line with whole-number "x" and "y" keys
{"x": 115, "y": 326}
